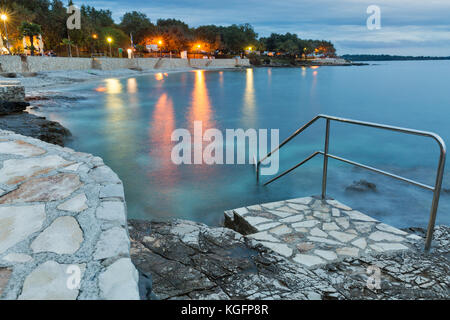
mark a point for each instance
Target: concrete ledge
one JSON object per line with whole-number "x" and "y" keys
{"x": 16, "y": 64}
{"x": 63, "y": 225}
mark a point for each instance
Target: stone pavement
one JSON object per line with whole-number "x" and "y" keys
{"x": 63, "y": 227}
{"x": 313, "y": 232}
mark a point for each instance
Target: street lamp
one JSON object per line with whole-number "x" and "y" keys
{"x": 198, "y": 49}
{"x": 160, "y": 47}
{"x": 109, "y": 39}
{"x": 4, "y": 17}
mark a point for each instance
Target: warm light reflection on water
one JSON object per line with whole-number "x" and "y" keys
{"x": 159, "y": 76}
{"x": 132, "y": 85}
{"x": 200, "y": 110}
{"x": 161, "y": 127}
{"x": 249, "y": 100}
{"x": 113, "y": 86}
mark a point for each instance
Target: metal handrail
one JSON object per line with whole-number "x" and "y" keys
{"x": 439, "y": 176}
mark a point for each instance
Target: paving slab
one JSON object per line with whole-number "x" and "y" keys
{"x": 314, "y": 232}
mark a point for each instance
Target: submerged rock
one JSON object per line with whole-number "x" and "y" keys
{"x": 36, "y": 127}
{"x": 11, "y": 107}
{"x": 188, "y": 260}
{"x": 362, "y": 186}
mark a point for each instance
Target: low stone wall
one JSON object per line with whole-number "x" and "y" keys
{"x": 10, "y": 64}
{"x": 40, "y": 64}
{"x": 11, "y": 92}
{"x": 63, "y": 225}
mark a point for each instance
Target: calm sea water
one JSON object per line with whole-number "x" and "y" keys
{"x": 129, "y": 122}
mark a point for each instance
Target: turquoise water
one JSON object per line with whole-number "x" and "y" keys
{"x": 129, "y": 122}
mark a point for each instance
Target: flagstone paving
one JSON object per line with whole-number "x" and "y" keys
{"x": 312, "y": 232}
{"x": 63, "y": 232}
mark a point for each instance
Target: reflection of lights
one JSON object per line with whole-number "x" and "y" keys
{"x": 166, "y": 74}
{"x": 315, "y": 73}
{"x": 159, "y": 76}
{"x": 303, "y": 71}
{"x": 249, "y": 97}
{"x": 314, "y": 67}
{"x": 113, "y": 86}
{"x": 132, "y": 85}
{"x": 100, "y": 89}
{"x": 201, "y": 106}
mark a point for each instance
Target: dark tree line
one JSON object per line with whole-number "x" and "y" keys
{"x": 97, "y": 25}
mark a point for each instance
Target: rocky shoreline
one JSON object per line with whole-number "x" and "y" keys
{"x": 188, "y": 260}
{"x": 14, "y": 117}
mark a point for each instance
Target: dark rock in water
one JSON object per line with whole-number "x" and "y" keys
{"x": 8, "y": 74}
{"x": 188, "y": 260}
{"x": 36, "y": 127}
{"x": 11, "y": 107}
{"x": 362, "y": 186}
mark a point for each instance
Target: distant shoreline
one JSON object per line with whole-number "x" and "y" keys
{"x": 385, "y": 57}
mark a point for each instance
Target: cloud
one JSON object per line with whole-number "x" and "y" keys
{"x": 417, "y": 22}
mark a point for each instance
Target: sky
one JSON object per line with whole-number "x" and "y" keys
{"x": 408, "y": 27}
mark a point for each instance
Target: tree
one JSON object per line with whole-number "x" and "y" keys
{"x": 137, "y": 24}
{"x": 30, "y": 30}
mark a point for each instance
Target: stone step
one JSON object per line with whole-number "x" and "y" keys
{"x": 314, "y": 232}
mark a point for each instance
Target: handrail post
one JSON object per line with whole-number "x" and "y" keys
{"x": 325, "y": 160}
{"x": 435, "y": 203}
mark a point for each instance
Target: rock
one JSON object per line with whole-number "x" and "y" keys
{"x": 112, "y": 211}
{"x": 5, "y": 275}
{"x": 44, "y": 189}
{"x": 11, "y": 107}
{"x": 18, "y": 170}
{"x": 20, "y": 148}
{"x": 308, "y": 260}
{"x": 362, "y": 186}
{"x": 119, "y": 281}
{"x": 19, "y": 222}
{"x": 218, "y": 263}
{"x": 37, "y": 127}
{"x": 17, "y": 258}
{"x": 112, "y": 243}
{"x": 384, "y": 236}
{"x": 63, "y": 236}
{"x": 49, "y": 282}
{"x": 76, "y": 204}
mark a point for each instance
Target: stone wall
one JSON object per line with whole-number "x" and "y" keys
{"x": 63, "y": 225}
{"x": 11, "y": 92}
{"x": 42, "y": 64}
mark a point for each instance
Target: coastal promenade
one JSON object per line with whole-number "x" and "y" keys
{"x": 30, "y": 64}
{"x": 63, "y": 225}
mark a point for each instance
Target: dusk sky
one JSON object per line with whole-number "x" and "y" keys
{"x": 408, "y": 27}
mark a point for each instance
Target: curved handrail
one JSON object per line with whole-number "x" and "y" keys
{"x": 440, "y": 170}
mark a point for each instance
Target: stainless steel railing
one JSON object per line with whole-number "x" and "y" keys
{"x": 439, "y": 176}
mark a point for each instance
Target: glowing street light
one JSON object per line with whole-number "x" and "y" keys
{"x": 94, "y": 36}
{"x": 110, "y": 40}
{"x": 4, "y": 17}
{"x": 160, "y": 47}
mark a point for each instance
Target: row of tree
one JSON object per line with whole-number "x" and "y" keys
{"x": 174, "y": 35}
